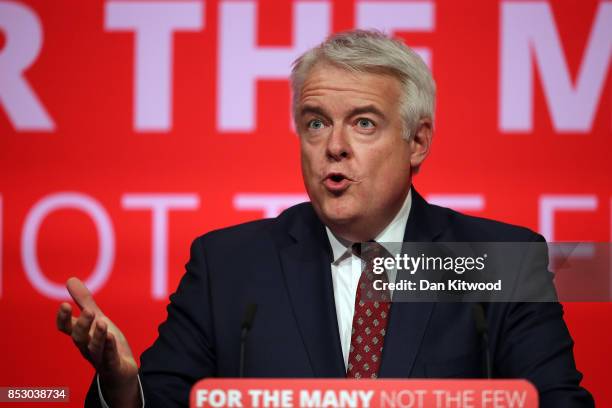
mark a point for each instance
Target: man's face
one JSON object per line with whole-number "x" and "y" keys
{"x": 355, "y": 162}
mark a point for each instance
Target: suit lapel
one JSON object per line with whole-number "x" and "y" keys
{"x": 407, "y": 320}
{"x": 306, "y": 265}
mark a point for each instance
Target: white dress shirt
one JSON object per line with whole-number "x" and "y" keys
{"x": 346, "y": 270}
{"x": 103, "y": 401}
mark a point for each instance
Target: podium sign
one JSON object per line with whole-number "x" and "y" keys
{"x": 383, "y": 393}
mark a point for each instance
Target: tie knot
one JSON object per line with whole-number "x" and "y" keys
{"x": 369, "y": 250}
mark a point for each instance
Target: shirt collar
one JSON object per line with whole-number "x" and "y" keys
{"x": 393, "y": 232}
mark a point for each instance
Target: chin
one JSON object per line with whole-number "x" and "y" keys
{"x": 338, "y": 214}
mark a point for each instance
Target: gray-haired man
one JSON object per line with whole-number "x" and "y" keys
{"x": 363, "y": 107}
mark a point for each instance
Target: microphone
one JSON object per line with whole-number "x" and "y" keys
{"x": 247, "y": 323}
{"x": 482, "y": 329}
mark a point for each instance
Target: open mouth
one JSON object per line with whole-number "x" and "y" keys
{"x": 337, "y": 182}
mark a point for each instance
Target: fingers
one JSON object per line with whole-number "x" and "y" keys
{"x": 80, "y": 330}
{"x": 97, "y": 342}
{"x": 64, "y": 318}
{"x": 93, "y": 334}
{"x": 92, "y": 337}
{"x": 81, "y": 295}
{"x": 110, "y": 354}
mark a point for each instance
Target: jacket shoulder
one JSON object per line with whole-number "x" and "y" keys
{"x": 470, "y": 228}
{"x": 252, "y": 231}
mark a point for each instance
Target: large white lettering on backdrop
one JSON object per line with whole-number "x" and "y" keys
{"x": 528, "y": 35}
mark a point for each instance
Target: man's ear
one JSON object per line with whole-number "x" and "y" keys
{"x": 420, "y": 143}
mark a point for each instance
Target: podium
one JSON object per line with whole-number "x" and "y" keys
{"x": 379, "y": 393}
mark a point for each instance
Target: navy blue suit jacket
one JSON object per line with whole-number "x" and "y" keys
{"x": 283, "y": 266}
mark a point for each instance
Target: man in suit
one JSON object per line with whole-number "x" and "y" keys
{"x": 363, "y": 108}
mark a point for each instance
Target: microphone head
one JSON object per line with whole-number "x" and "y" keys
{"x": 249, "y": 316}
{"x": 479, "y": 318}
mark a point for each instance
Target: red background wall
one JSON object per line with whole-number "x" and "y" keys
{"x": 84, "y": 76}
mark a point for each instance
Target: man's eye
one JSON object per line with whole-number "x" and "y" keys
{"x": 315, "y": 124}
{"x": 365, "y": 123}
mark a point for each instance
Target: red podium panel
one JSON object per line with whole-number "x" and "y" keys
{"x": 264, "y": 393}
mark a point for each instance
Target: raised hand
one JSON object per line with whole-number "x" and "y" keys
{"x": 102, "y": 344}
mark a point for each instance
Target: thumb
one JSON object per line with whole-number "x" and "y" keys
{"x": 81, "y": 295}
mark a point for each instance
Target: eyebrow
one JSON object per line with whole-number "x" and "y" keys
{"x": 356, "y": 111}
{"x": 367, "y": 109}
{"x": 313, "y": 110}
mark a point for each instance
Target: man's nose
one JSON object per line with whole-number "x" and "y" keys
{"x": 338, "y": 144}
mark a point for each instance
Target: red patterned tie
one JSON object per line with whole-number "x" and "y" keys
{"x": 370, "y": 318}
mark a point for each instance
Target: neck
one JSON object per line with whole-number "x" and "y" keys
{"x": 359, "y": 231}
